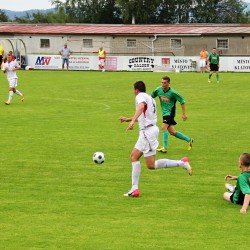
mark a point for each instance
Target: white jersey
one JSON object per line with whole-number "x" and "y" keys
{"x": 65, "y": 52}
{"x": 10, "y": 74}
{"x": 149, "y": 115}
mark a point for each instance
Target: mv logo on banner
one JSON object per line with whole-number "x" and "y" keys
{"x": 43, "y": 60}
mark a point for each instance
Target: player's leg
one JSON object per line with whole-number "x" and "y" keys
{"x": 230, "y": 187}
{"x": 136, "y": 171}
{"x": 151, "y": 136}
{"x": 210, "y": 75}
{"x": 227, "y": 196}
{"x": 162, "y": 163}
{"x": 10, "y": 96}
{"x": 204, "y": 66}
{"x": 12, "y": 84}
{"x": 167, "y": 163}
{"x": 100, "y": 64}
{"x": 181, "y": 136}
{"x": 18, "y": 92}
{"x": 217, "y": 76}
{"x": 63, "y": 63}
{"x": 165, "y": 133}
{"x": 67, "y": 63}
{"x": 201, "y": 66}
{"x": 211, "y": 72}
{"x": 146, "y": 145}
{"x": 165, "y": 140}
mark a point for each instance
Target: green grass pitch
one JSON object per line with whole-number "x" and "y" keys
{"x": 54, "y": 197}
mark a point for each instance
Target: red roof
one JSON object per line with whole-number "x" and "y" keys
{"x": 116, "y": 29}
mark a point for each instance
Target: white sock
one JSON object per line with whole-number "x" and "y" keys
{"x": 166, "y": 163}
{"x": 19, "y": 93}
{"x": 10, "y": 96}
{"x": 136, "y": 171}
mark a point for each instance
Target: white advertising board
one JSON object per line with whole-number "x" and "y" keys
{"x": 137, "y": 63}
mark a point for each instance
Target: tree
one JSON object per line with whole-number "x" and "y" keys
{"x": 138, "y": 11}
{"x": 25, "y": 19}
{"x": 218, "y": 11}
{"x": 49, "y": 17}
{"x": 3, "y": 16}
{"x": 91, "y": 11}
{"x": 173, "y": 11}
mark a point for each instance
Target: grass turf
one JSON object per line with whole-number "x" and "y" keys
{"x": 54, "y": 197}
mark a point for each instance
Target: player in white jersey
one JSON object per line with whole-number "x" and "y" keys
{"x": 10, "y": 68}
{"x": 147, "y": 142}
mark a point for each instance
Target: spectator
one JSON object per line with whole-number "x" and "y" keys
{"x": 101, "y": 57}
{"x": 65, "y": 54}
{"x": 1, "y": 54}
{"x": 203, "y": 60}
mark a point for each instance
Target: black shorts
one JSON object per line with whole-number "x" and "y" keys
{"x": 214, "y": 67}
{"x": 169, "y": 120}
{"x": 1, "y": 58}
{"x": 241, "y": 198}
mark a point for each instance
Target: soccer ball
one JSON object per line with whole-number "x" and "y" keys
{"x": 98, "y": 157}
{"x": 28, "y": 68}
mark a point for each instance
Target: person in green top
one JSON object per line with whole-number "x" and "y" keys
{"x": 214, "y": 64}
{"x": 240, "y": 194}
{"x": 168, "y": 98}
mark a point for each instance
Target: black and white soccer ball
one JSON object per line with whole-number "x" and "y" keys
{"x": 98, "y": 157}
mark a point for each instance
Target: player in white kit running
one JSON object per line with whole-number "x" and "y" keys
{"x": 147, "y": 143}
{"x": 10, "y": 68}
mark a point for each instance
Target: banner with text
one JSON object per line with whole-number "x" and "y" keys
{"x": 137, "y": 63}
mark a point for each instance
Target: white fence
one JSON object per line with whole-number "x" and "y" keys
{"x": 137, "y": 63}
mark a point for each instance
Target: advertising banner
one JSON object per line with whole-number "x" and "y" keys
{"x": 137, "y": 63}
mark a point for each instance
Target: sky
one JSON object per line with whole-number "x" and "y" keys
{"x": 21, "y": 5}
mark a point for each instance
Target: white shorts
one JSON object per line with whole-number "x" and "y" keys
{"x": 101, "y": 62}
{"x": 202, "y": 62}
{"x": 147, "y": 142}
{"x": 12, "y": 82}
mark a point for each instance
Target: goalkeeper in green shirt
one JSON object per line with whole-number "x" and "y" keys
{"x": 168, "y": 98}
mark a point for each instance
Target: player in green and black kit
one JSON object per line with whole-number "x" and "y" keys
{"x": 241, "y": 193}
{"x": 168, "y": 98}
{"x": 214, "y": 64}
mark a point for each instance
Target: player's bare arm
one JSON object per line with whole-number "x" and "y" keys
{"x": 138, "y": 112}
{"x": 125, "y": 119}
{"x": 183, "y": 116}
{"x": 245, "y": 204}
{"x": 231, "y": 177}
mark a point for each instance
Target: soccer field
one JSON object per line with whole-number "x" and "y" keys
{"x": 54, "y": 197}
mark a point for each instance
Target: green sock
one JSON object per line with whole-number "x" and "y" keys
{"x": 217, "y": 77}
{"x": 165, "y": 139}
{"x": 182, "y": 136}
{"x": 209, "y": 76}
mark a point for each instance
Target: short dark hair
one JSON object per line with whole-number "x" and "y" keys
{"x": 245, "y": 159}
{"x": 166, "y": 78}
{"x": 140, "y": 85}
